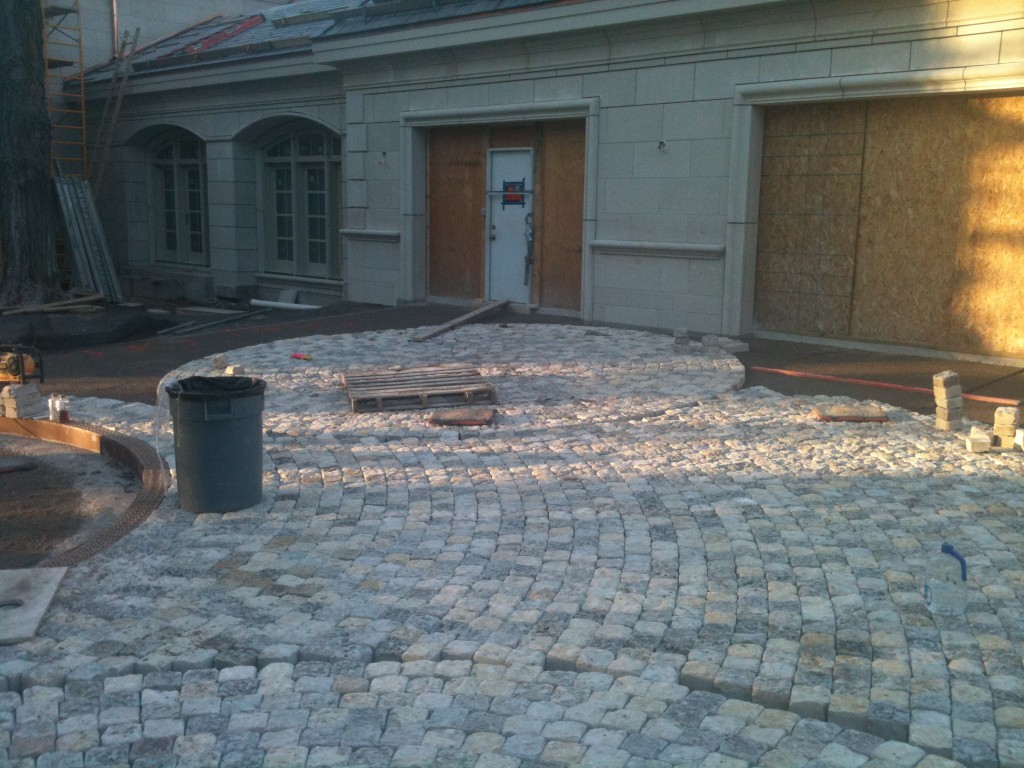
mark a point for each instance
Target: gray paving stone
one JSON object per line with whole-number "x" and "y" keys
{"x": 632, "y": 539}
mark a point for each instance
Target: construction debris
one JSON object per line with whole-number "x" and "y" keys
{"x": 855, "y": 413}
{"x": 949, "y": 400}
{"x": 234, "y": 370}
{"x": 94, "y": 267}
{"x": 22, "y": 401}
{"x": 463, "y": 417}
{"x": 978, "y": 441}
{"x": 1006, "y": 433}
{"x": 56, "y": 306}
{"x": 461, "y": 320}
{"x": 430, "y": 386}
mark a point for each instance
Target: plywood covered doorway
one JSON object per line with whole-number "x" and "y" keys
{"x": 895, "y": 220}
{"x": 456, "y": 207}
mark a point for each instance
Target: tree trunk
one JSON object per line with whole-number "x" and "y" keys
{"x": 28, "y": 262}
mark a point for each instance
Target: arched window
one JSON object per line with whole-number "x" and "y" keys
{"x": 179, "y": 169}
{"x": 301, "y": 200}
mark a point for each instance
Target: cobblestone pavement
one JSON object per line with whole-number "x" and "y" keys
{"x": 636, "y": 566}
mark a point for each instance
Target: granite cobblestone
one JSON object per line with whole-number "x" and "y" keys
{"x": 637, "y": 565}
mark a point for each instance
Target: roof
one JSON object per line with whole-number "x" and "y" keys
{"x": 292, "y": 27}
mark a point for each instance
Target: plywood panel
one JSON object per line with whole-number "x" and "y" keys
{"x": 455, "y": 193}
{"x": 559, "y": 235}
{"x": 519, "y": 135}
{"x": 940, "y": 255}
{"x": 807, "y": 225}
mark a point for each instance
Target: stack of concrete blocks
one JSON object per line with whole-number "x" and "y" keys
{"x": 1004, "y": 429}
{"x": 22, "y": 401}
{"x": 1006, "y": 433}
{"x": 949, "y": 400}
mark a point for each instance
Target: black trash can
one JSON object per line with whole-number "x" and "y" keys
{"x": 218, "y": 441}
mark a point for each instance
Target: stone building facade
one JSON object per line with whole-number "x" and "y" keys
{"x": 830, "y": 169}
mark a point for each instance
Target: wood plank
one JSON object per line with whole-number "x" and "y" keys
{"x": 559, "y": 251}
{"x": 416, "y": 375}
{"x": 849, "y": 413}
{"x": 411, "y": 388}
{"x": 425, "y": 400}
{"x": 55, "y": 306}
{"x": 461, "y": 320}
{"x": 463, "y": 417}
{"x": 456, "y": 177}
{"x": 408, "y": 378}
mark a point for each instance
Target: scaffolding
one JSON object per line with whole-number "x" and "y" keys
{"x": 65, "y": 94}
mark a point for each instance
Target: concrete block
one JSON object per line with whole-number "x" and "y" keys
{"x": 950, "y": 399}
{"x": 1018, "y": 439}
{"x": 945, "y": 380}
{"x": 948, "y": 425}
{"x": 1007, "y": 415}
{"x": 22, "y": 394}
{"x": 234, "y": 370}
{"x": 14, "y": 410}
{"x": 1002, "y": 443}
{"x": 978, "y": 441}
{"x": 1006, "y": 431}
{"x": 949, "y": 413}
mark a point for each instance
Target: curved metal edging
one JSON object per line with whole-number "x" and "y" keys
{"x": 138, "y": 456}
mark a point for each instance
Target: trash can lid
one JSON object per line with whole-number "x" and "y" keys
{"x": 215, "y": 387}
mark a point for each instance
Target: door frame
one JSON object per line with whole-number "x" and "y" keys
{"x": 413, "y": 130}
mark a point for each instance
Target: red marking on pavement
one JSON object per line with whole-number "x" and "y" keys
{"x": 876, "y": 384}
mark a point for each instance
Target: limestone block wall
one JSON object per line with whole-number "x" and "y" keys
{"x": 232, "y": 122}
{"x": 674, "y": 144}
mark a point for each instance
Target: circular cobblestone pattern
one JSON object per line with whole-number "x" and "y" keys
{"x": 636, "y": 565}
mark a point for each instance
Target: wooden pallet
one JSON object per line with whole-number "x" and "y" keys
{"x": 429, "y": 386}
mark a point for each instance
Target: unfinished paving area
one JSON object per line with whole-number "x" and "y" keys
{"x": 637, "y": 565}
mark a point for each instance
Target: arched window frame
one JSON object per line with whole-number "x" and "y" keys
{"x": 301, "y": 172}
{"x": 180, "y": 202}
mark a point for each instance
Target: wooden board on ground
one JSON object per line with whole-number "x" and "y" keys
{"x": 461, "y": 320}
{"x": 463, "y": 417}
{"x": 431, "y": 386}
{"x": 849, "y": 413}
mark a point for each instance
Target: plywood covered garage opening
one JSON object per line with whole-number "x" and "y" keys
{"x": 898, "y": 220}
{"x": 456, "y": 196}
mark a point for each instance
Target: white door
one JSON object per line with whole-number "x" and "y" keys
{"x": 510, "y": 224}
